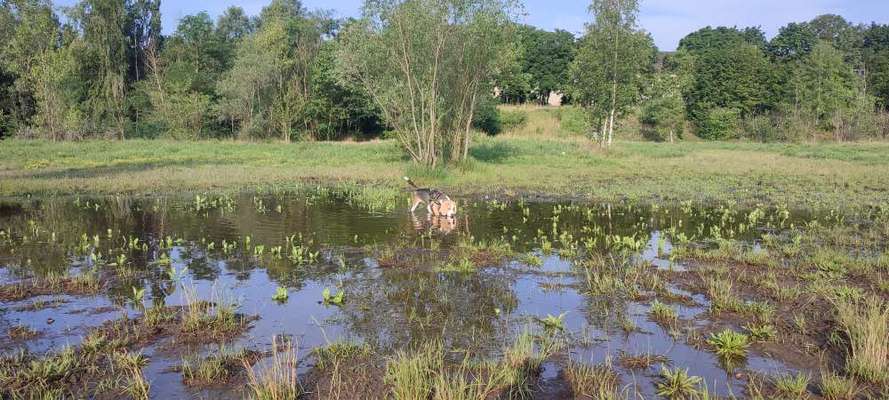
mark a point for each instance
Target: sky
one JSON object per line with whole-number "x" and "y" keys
{"x": 667, "y": 20}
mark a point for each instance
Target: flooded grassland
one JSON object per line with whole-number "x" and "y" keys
{"x": 320, "y": 294}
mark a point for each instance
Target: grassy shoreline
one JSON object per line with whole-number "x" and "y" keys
{"x": 803, "y": 175}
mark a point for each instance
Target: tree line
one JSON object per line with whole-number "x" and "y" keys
{"x": 423, "y": 72}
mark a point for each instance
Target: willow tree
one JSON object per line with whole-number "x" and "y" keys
{"x": 426, "y": 63}
{"x": 608, "y": 70}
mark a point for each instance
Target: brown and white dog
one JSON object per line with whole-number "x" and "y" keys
{"x": 437, "y": 203}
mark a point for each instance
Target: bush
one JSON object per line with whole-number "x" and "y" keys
{"x": 513, "y": 119}
{"x": 719, "y": 123}
{"x": 572, "y": 120}
{"x": 663, "y": 119}
{"x": 487, "y": 117}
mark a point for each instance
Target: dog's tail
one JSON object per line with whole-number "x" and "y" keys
{"x": 410, "y": 182}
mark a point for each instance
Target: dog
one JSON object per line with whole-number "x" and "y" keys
{"x": 437, "y": 203}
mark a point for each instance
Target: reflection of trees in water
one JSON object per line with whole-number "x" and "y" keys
{"x": 393, "y": 309}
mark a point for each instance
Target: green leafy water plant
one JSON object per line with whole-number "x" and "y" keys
{"x": 280, "y": 295}
{"x": 334, "y": 299}
{"x": 553, "y": 323}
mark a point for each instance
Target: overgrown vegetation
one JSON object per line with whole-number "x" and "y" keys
{"x": 102, "y": 69}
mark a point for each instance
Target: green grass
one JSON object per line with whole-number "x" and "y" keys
{"x": 277, "y": 379}
{"x": 216, "y": 368}
{"x": 663, "y": 313}
{"x": 866, "y": 326}
{"x": 556, "y": 163}
{"x": 835, "y": 387}
{"x": 793, "y": 386}
{"x": 593, "y": 382}
{"x": 729, "y": 344}
{"x": 677, "y": 384}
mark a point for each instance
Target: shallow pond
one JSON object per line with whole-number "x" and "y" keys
{"x": 243, "y": 248}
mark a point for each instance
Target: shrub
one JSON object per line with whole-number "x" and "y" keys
{"x": 719, "y": 123}
{"x": 487, "y": 117}
{"x": 572, "y": 120}
{"x": 513, "y": 119}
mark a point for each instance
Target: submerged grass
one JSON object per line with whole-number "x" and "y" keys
{"x": 599, "y": 382}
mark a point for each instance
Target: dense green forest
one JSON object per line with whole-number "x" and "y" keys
{"x": 103, "y": 69}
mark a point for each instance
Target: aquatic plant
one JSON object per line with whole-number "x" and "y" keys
{"x": 531, "y": 260}
{"x": 334, "y": 299}
{"x": 214, "y": 318}
{"x": 677, "y": 384}
{"x": 761, "y": 332}
{"x": 598, "y": 382}
{"x": 553, "y": 322}
{"x": 641, "y": 361}
{"x": 729, "y": 345}
{"x": 21, "y": 332}
{"x": 719, "y": 291}
{"x": 132, "y": 363}
{"x": 461, "y": 265}
{"x": 280, "y": 295}
{"x": 216, "y": 368}
{"x": 138, "y": 296}
{"x": 663, "y": 313}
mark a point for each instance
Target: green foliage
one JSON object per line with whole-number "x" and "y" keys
{"x": 513, "y": 119}
{"x": 664, "y": 111}
{"x": 334, "y": 299}
{"x": 488, "y": 118}
{"x": 709, "y": 38}
{"x": 823, "y": 84}
{"x": 729, "y": 345}
{"x": 727, "y": 70}
{"x": 280, "y": 295}
{"x": 719, "y": 123}
{"x": 611, "y": 59}
{"x": 876, "y": 61}
{"x": 268, "y": 89}
{"x": 677, "y": 384}
{"x": 103, "y": 69}
{"x": 411, "y": 57}
{"x": 794, "y": 41}
{"x": 543, "y": 65}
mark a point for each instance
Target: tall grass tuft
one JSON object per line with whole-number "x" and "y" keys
{"x": 412, "y": 375}
{"x": 835, "y": 387}
{"x": 598, "y": 382}
{"x": 866, "y": 324}
{"x": 277, "y": 380}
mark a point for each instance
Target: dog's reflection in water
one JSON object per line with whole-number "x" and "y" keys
{"x": 434, "y": 223}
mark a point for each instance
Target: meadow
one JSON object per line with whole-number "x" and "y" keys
{"x": 546, "y": 155}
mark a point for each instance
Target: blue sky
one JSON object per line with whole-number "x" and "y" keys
{"x": 667, "y": 20}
